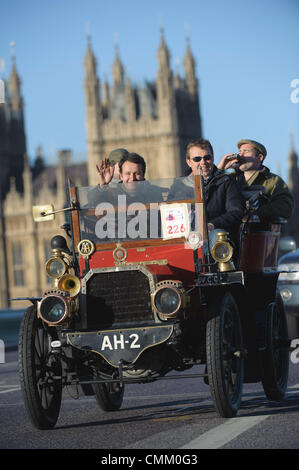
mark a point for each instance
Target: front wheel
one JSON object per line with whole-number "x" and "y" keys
{"x": 225, "y": 363}
{"x": 40, "y": 373}
{"x": 276, "y": 356}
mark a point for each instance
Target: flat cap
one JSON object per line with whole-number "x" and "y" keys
{"x": 117, "y": 154}
{"x": 260, "y": 147}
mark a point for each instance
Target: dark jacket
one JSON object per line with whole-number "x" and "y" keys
{"x": 279, "y": 201}
{"x": 224, "y": 204}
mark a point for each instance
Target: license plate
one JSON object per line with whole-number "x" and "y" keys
{"x": 213, "y": 279}
{"x": 122, "y": 345}
{"x": 114, "y": 341}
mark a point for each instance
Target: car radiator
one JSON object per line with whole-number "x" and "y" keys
{"x": 118, "y": 298}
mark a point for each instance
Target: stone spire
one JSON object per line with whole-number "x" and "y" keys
{"x": 39, "y": 162}
{"x": 14, "y": 87}
{"x": 165, "y": 90}
{"x": 94, "y": 115}
{"x": 163, "y": 55}
{"x": 17, "y": 138}
{"x": 164, "y": 78}
{"x": 118, "y": 72}
{"x": 91, "y": 82}
{"x": 189, "y": 67}
{"x": 170, "y": 164}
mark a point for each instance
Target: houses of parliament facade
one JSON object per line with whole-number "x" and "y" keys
{"x": 156, "y": 121}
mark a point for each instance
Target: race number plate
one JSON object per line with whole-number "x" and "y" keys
{"x": 175, "y": 221}
{"x": 124, "y": 345}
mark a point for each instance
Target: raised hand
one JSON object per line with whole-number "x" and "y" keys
{"x": 105, "y": 171}
{"x": 226, "y": 162}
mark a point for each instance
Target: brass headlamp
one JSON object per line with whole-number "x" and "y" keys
{"x": 54, "y": 308}
{"x": 169, "y": 299}
{"x": 59, "y": 266}
{"x": 221, "y": 250}
{"x": 56, "y": 267}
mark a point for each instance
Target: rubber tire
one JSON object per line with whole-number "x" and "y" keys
{"x": 42, "y": 416}
{"x": 226, "y": 404}
{"x": 107, "y": 398}
{"x": 275, "y": 362}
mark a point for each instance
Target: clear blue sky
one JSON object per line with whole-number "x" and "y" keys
{"x": 247, "y": 54}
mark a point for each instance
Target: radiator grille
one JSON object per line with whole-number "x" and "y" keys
{"x": 121, "y": 297}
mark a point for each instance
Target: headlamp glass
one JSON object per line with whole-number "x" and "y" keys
{"x": 167, "y": 300}
{"x": 53, "y": 309}
{"x": 222, "y": 252}
{"x": 55, "y": 267}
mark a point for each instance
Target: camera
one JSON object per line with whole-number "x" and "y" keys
{"x": 237, "y": 157}
{"x": 233, "y": 157}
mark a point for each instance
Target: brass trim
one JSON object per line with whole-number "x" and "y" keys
{"x": 159, "y": 262}
{"x": 50, "y": 261}
{"x": 67, "y": 312}
{"x": 86, "y": 248}
{"x": 121, "y": 267}
{"x": 178, "y": 287}
{"x": 230, "y": 253}
{"x": 121, "y": 249}
{"x": 64, "y": 282}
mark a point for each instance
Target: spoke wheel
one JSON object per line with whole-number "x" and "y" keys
{"x": 276, "y": 357}
{"x": 109, "y": 395}
{"x": 225, "y": 363}
{"x": 40, "y": 374}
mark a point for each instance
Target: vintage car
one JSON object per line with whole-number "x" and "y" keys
{"x": 143, "y": 291}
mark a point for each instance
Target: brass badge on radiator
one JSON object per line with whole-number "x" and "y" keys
{"x": 120, "y": 253}
{"x": 86, "y": 248}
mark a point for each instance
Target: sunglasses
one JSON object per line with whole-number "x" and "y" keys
{"x": 205, "y": 157}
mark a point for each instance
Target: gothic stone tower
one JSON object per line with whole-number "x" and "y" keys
{"x": 12, "y": 133}
{"x": 12, "y": 150}
{"x": 156, "y": 121}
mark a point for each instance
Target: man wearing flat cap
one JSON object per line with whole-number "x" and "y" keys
{"x": 249, "y": 170}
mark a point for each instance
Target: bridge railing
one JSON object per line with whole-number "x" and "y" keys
{"x": 10, "y": 321}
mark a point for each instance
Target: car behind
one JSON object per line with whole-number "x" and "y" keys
{"x": 288, "y": 284}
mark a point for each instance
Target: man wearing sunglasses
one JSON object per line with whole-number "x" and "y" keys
{"x": 250, "y": 171}
{"x": 224, "y": 203}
